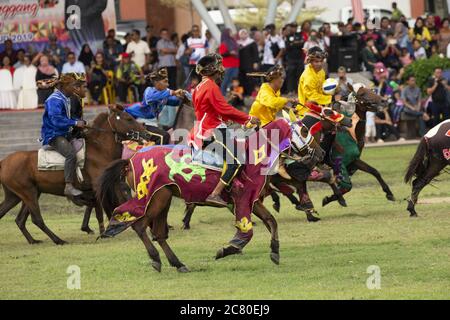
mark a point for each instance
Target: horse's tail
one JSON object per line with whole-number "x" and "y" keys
{"x": 108, "y": 184}
{"x": 417, "y": 166}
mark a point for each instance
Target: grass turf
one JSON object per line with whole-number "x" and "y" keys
{"x": 326, "y": 260}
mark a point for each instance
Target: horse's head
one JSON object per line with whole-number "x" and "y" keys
{"x": 302, "y": 142}
{"x": 124, "y": 125}
{"x": 365, "y": 99}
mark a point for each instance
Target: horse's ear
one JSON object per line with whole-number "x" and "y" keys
{"x": 112, "y": 108}
{"x": 120, "y": 107}
{"x": 350, "y": 87}
{"x": 292, "y": 116}
{"x": 286, "y": 115}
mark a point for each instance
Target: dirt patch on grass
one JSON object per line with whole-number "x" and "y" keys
{"x": 434, "y": 200}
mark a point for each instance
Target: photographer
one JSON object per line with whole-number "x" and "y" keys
{"x": 438, "y": 89}
{"x": 129, "y": 74}
{"x": 391, "y": 52}
{"x": 295, "y": 57}
{"x": 274, "y": 48}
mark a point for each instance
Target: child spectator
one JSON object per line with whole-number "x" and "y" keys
{"x": 236, "y": 95}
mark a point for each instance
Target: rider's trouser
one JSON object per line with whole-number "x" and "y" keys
{"x": 65, "y": 148}
{"x": 225, "y": 146}
{"x": 158, "y": 136}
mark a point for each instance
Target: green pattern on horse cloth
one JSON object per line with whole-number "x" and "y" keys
{"x": 182, "y": 165}
{"x": 350, "y": 154}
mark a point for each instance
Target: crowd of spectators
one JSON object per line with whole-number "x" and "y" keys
{"x": 384, "y": 52}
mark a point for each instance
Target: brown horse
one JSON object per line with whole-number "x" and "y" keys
{"x": 23, "y": 182}
{"x": 431, "y": 157}
{"x": 159, "y": 192}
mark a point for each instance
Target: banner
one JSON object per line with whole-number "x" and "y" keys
{"x": 74, "y": 22}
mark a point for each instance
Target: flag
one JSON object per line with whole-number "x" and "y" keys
{"x": 358, "y": 12}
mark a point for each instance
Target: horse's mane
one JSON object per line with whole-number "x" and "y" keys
{"x": 100, "y": 119}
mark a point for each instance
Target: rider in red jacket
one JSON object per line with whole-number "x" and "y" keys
{"x": 212, "y": 113}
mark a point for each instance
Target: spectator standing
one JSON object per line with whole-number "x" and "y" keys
{"x": 73, "y": 65}
{"x": 25, "y": 83}
{"x": 229, "y": 50}
{"x": 9, "y": 52}
{"x": 197, "y": 47}
{"x": 412, "y": 98}
{"x": 444, "y": 36}
{"x": 55, "y": 52}
{"x": 45, "y": 72}
{"x": 294, "y": 57}
{"x": 20, "y": 59}
{"x": 438, "y": 89}
{"x": 213, "y": 46}
{"x": 128, "y": 40}
{"x": 396, "y": 12}
{"x": 274, "y": 48}
{"x": 167, "y": 51}
{"x": 151, "y": 39}
{"x": 370, "y": 55}
{"x": 139, "y": 49}
{"x": 112, "y": 52}
{"x": 112, "y": 35}
{"x": 343, "y": 82}
{"x": 314, "y": 41}
{"x": 183, "y": 56}
{"x": 249, "y": 62}
{"x": 129, "y": 75}
{"x": 86, "y": 56}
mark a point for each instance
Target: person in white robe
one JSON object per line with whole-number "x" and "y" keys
{"x": 25, "y": 85}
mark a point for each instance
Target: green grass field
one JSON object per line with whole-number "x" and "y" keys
{"x": 326, "y": 260}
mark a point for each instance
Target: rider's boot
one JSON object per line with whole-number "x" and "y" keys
{"x": 71, "y": 191}
{"x": 215, "y": 198}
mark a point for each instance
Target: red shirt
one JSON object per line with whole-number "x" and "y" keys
{"x": 229, "y": 60}
{"x": 212, "y": 110}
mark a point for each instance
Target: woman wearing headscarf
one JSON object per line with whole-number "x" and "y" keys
{"x": 86, "y": 56}
{"x": 420, "y": 32}
{"x": 248, "y": 56}
{"x": 229, "y": 50}
{"x": 401, "y": 35}
{"x": 45, "y": 72}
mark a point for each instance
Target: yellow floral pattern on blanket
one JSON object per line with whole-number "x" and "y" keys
{"x": 149, "y": 170}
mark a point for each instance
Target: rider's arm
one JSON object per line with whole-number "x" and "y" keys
{"x": 271, "y": 101}
{"x": 57, "y": 115}
{"x": 313, "y": 91}
{"x": 222, "y": 108}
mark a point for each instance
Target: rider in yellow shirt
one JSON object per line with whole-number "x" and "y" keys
{"x": 269, "y": 100}
{"x": 311, "y": 82}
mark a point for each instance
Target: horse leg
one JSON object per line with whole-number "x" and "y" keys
{"x": 271, "y": 224}
{"x": 86, "y": 218}
{"x": 361, "y": 165}
{"x": 99, "y": 216}
{"x": 21, "y": 220}
{"x": 188, "y": 215}
{"x": 31, "y": 200}
{"x": 159, "y": 209}
{"x": 276, "y": 201}
{"x": 420, "y": 182}
{"x": 140, "y": 227}
{"x": 11, "y": 200}
{"x": 306, "y": 204}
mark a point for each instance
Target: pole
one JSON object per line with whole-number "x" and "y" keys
{"x": 298, "y": 5}
{"x": 271, "y": 11}
{"x": 201, "y": 9}
{"x": 226, "y": 16}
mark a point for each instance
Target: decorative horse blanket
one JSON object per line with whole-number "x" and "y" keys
{"x": 159, "y": 166}
{"x": 438, "y": 140}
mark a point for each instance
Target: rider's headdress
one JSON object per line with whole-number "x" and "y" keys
{"x": 64, "y": 79}
{"x": 158, "y": 75}
{"x": 315, "y": 53}
{"x": 210, "y": 65}
{"x": 273, "y": 73}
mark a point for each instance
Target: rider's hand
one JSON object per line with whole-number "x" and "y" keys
{"x": 253, "y": 121}
{"x": 293, "y": 101}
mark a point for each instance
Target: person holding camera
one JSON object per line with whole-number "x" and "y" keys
{"x": 274, "y": 48}
{"x": 391, "y": 52}
{"x": 438, "y": 89}
{"x": 129, "y": 74}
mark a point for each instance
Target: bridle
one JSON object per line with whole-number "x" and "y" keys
{"x": 305, "y": 143}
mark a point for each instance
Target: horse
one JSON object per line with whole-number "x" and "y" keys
{"x": 431, "y": 157}
{"x": 366, "y": 100}
{"x": 156, "y": 177}
{"x": 23, "y": 182}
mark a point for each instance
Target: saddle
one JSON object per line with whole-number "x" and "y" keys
{"x": 51, "y": 160}
{"x": 207, "y": 159}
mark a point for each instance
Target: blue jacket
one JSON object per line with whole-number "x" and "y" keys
{"x": 56, "y": 119}
{"x": 154, "y": 102}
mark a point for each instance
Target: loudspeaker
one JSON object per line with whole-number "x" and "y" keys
{"x": 344, "y": 52}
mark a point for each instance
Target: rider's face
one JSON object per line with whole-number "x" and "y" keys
{"x": 162, "y": 85}
{"x": 77, "y": 89}
{"x": 317, "y": 64}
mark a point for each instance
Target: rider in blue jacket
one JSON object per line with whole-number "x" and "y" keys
{"x": 155, "y": 99}
{"x": 58, "y": 124}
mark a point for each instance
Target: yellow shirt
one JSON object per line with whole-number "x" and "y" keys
{"x": 267, "y": 104}
{"x": 310, "y": 89}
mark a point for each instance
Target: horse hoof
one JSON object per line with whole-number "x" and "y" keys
{"x": 413, "y": 215}
{"x": 312, "y": 218}
{"x": 61, "y": 243}
{"x": 275, "y": 257}
{"x": 33, "y": 242}
{"x": 276, "y": 207}
{"x": 220, "y": 254}
{"x": 156, "y": 266}
{"x": 88, "y": 230}
{"x": 186, "y": 227}
{"x": 183, "y": 269}
{"x": 325, "y": 201}
{"x": 390, "y": 197}
{"x": 343, "y": 203}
